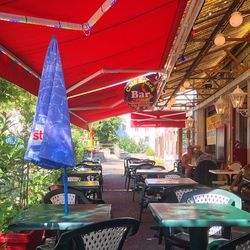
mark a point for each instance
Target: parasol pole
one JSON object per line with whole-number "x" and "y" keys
{"x": 65, "y": 187}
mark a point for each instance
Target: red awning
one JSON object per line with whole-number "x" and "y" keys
{"x": 129, "y": 39}
{"x": 167, "y": 119}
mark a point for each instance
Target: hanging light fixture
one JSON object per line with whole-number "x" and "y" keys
{"x": 220, "y": 106}
{"x": 219, "y": 39}
{"x": 169, "y": 106}
{"x": 236, "y": 19}
{"x": 237, "y": 97}
{"x": 186, "y": 84}
{"x": 189, "y": 122}
{"x": 173, "y": 100}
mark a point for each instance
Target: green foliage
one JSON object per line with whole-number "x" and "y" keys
{"x": 9, "y": 93}
{"x": 150, "y": 152}
{"x": 129, "y": 145}
{"x": 14, "y": 98}
{"x": 21, "y": 183}
{"x": 105, "y": 130}
{"x": 79, "y": 137}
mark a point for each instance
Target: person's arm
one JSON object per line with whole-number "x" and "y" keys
{"x": 184, "y": 162}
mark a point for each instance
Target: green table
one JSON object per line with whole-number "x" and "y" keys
{"x": 51, "y": 217}
{"x": 86, "y": 172}
{"x": 163, "y": 183}
{"x": 89, "y": 174}
{"x": 198, "y": 218}
{"x": 85, "y": 186}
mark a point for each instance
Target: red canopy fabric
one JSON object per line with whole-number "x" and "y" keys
{"x": 130, "y": 37}
{"x": 167, "y": 119}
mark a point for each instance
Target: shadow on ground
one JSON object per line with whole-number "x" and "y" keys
{"x": 123, "y": 206}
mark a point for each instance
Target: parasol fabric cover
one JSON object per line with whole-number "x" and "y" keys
{"x": 50, "y": 143}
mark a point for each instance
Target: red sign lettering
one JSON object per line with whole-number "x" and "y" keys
{"x": 38, "y": 135}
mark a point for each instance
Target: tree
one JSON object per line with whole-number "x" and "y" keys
{"x": 13, "y": 98}
{"x": 79, "y": 138}
{"x": 105, "y": 130}
{"x": 129, "y": 145}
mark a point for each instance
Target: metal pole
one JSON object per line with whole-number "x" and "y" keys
{"x": 65, "y": 187}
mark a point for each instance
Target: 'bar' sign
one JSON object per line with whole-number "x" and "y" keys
{"x": 140, "y": 94}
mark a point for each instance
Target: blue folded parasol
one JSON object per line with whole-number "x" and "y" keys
{"x": 50, "y": 143}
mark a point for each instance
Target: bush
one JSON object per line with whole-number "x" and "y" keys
{"x": 79, "y": 143}
{"x": 21, "y": 183}
{"x": 150, "y": 152}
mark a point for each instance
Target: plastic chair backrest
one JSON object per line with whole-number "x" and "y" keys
{"x": 57, "y": 197}
{"x": 212, "y": 196}
{"x": 242, "y": 242}
{"x": 101, "y": 235}
{"x": 174, "y": 194}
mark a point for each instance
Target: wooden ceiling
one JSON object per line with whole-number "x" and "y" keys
{"x": 206, "y": 66}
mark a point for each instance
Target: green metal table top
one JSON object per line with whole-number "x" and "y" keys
{"x": 86, "y": 172}
{"x": 51, "y": 217}
{"x": 198, "y": 215}
{"x": 82, "y": 184}
{"x": 151, "y": 171}
{"x": 159, "y": 182}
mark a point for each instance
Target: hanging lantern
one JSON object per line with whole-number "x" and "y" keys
{"x": 220, "y": 106}
{"x": 186, "y": 84}
{"x": 189, "y": 122}
{"x": 173, "y": 100}
{"x": 219, "y": 39}
{"x": 169, "y": 106}
{"x": 236, "y": 19}
{"x": 237, "y": 97}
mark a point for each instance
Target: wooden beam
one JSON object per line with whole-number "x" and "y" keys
{"x": 209, "y": 53}
{"x": 221, "y": 25}
{"x": 227, "y": 88}
{"x": 243, "y": 39}
{"x": 241, "y": 65}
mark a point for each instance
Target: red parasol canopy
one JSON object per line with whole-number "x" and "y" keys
{"x": 167, "y": 119}
{"x": 128, "y": 39}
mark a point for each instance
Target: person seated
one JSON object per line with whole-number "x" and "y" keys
{"x": 206, "y": 156}
{"x": 188, "y": 160}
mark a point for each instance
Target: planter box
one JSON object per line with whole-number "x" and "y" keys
{"x": 21, "y": 241}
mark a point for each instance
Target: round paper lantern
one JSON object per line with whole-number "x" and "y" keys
{"x": 236, "y": 19}
{"x": 219, "y": 40}
{"x": 182, "y": 89}
{"x": 186, "y": 84}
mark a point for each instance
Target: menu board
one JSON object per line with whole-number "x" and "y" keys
{"x": 213, "y": 122}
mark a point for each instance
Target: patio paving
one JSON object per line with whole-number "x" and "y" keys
{"x": 122, "y": 206}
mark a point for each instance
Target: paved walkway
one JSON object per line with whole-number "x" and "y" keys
{"x": 123, "y": 206}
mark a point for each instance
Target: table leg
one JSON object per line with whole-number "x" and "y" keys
{"x": 99, "y": 193}
{"x": 142, "y": 201}
{"x": 198, "y": 238}
{"x": 228, "y": 180}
